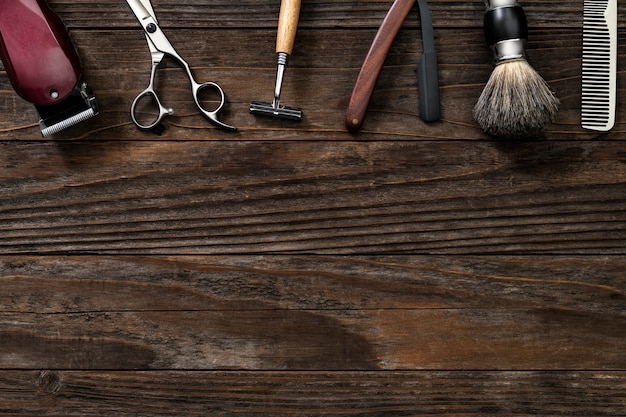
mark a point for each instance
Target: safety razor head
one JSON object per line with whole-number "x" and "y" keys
{"x": 280, "y": 111}
{"x": 77, "y": 107}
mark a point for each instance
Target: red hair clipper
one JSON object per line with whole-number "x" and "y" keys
{"x": 43, "y": 65}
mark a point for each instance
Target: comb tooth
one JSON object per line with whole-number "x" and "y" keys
{"x": 599, "y": 64}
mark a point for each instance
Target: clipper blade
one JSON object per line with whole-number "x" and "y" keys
{"x": 77, "y": 107}
{"x": 283, "y": 112}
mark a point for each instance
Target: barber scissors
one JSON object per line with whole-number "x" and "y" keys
{"x": 159, "y": 48}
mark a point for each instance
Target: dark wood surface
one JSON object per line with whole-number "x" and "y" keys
{"x": 296, "y": 269}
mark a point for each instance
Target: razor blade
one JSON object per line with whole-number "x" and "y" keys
{"x": 281, "y": 111}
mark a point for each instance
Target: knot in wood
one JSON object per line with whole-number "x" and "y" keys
{"x": 48, "y": 383}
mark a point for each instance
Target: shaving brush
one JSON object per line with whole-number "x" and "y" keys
{"x": 516, "y": 102}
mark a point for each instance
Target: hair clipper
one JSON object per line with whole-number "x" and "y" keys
{"x": 43, "y": 65}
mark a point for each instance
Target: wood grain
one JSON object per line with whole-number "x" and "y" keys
{"x": 320, "y": 14}
{"x": 366, "y": 394}
{"x": 392, "y": 313}
{"x": 297, "y": 269}
{"x": 315, "y": 197}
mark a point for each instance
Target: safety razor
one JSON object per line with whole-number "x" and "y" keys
{"x": 287, "y": 27}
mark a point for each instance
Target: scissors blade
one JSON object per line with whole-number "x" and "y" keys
{"x": 154, "y": 34}
{"x": 147, "y": 4}
{"x": 142, "y": 13}
{"x": 145, "y": 15}
{"x": 157, "y": 56}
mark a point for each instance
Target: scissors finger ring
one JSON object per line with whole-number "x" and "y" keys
{"x": 197, "y": 90}
{"x": 162, "y": 111}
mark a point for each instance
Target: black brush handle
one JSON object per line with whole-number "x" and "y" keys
{"x": 506, "y": 28}
{"x": 505, "y": 23}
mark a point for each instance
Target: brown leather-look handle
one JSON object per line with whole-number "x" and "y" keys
{"x": 287, "y": 25}
{"x": 373, "y": 63}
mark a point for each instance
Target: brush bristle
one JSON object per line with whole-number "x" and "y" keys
{"x": 516, "y": 102}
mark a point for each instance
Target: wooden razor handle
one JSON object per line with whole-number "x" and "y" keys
{"x": 373, "y": 63}
{"x": 287, "y": 25}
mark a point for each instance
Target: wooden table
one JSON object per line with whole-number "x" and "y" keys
{"x": 296, "y": 269}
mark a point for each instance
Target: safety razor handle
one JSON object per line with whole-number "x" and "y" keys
{"x": 373, "y": 63}
{"x": 506, "y": 29}
{"x": 287, "y": 25}
{"x": 37, "y": 52}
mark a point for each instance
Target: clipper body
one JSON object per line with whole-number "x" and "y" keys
{"x": 43, "y": 65}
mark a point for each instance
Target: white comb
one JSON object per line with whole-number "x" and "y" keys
{"x": 599, "y": 68}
